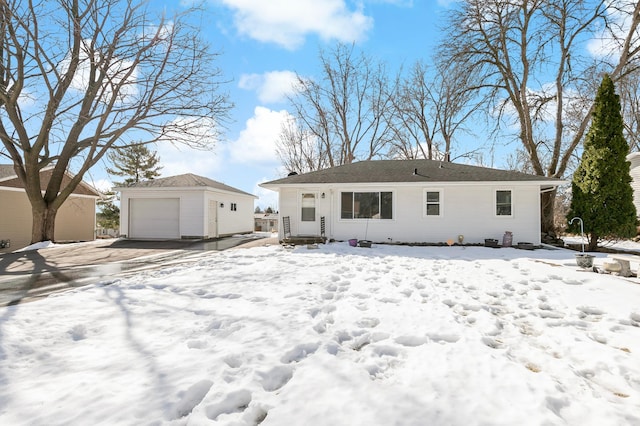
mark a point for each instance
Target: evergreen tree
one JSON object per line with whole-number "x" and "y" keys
{"x": 109, "y": 215}
{"x": 136, "y": 162}
{"x": 602, "y": 194}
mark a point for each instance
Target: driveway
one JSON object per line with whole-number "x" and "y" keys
{"x": 29, "y": 275}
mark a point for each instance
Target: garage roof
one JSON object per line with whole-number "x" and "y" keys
{"x": 187, "y": 180}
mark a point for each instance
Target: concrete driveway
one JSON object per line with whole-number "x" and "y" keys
{"x": 28, "y": 275}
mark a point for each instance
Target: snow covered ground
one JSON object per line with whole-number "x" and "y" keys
{"x": 338, "y": 335}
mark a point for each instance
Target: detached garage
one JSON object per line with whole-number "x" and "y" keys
{"x": 184, "y": 206}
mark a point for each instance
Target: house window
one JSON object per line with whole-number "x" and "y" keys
{"x": 503, "y": 203}
{"x": 308, "y": 213}
{"x": 234, "y": 207}
{"x": 366, "y": 205}
{"x": 433, "y": 203}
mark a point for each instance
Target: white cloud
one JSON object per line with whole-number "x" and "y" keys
{"x": 122, "y": 75}
{"x": 287, "y": 23}
{"x": 257, "y": 141}
{"x": 180, "y": 159}
{"x": 102, "y": 185}
{"x": 271, "y": 87}
{"x": 266, "y": 197}
{"x": 609, "y": 42}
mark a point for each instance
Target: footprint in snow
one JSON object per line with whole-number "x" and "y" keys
{"x": 492, "y": 343}
{"x": 407, "y": 292}
{"x": 590, "y": 313}
{"x": 275, "y": 378}
{"x": 443, "y": 337}
{"x": 78, "y": 332}
{"x": 299, "y": 352}
{"x": 190, "y": 398}
{"x": 233, "y": 361}
{"x": 385, "y": 350}
{"x": 368, "y": 322}
{"x": 196, "y": 344}
{"x": 235, "y": 402}
{"x": 411, "y": 341}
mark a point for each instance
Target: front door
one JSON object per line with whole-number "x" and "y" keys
{"x": 308, "y": 214}
{"x": 213, "y": 219}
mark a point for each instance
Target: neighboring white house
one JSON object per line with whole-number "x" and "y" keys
{"x": 634, "y": 159}
{"x": 413, "y": 201}
{"x": 266, "y": 222}
{"x": 184, "y": 206}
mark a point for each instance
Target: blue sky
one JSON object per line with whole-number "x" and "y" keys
{"x": 262, "y": 44}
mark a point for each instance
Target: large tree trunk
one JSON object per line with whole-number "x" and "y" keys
{"x": 547, "y": 207}
{"x": 43, "y": 224}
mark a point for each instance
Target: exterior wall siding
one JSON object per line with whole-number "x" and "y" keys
{"x": 467, "y": 210}
{"x": 635, "y": 179}
{"x": 75, "y": 220}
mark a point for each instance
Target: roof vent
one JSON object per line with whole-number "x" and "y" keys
{"x": 292, "y": 173}
{"x": 415, "y": 172}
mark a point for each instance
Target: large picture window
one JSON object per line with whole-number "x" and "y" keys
{"x": 366, "y": 205}
{"x": 503, "y": 203}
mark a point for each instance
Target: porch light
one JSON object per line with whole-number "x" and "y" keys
{"x": 322, "y": 195}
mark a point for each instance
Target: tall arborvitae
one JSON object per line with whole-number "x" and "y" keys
{"x": 602, "y": 194}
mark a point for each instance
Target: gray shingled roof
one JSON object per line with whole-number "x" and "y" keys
{"x": 397, "y": 171}
{"x": 188, "y": 180}
{"x": 6, "y": 170}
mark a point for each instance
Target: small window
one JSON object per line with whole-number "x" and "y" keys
{"x": 433, "y": 203}
{"x": 234, "y": 207}
{"x": 503, "y": 203}
{"x": 308, "y": 213}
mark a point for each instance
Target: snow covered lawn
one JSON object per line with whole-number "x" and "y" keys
{"x": 335, "y": 336}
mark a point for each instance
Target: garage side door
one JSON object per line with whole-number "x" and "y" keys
{"x": 154, "y": 218}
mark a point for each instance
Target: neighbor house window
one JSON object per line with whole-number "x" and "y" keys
{"x": 234, "y": 207}
{"x": 366, "y": 205}
{"x": 308, "y": 213}
{"x": 503, "y": 203}
{"x": 433, "y": 203}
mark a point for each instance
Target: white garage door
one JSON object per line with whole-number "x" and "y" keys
{"x": 154, "y": 218}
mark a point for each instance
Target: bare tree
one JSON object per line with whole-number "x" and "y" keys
{"x": 80, "y": 77}
{"x": 429, "y": 107}
{"x": 300, "y": 150}
{"x": 530, "y": 54}
{"x": 629, "y": 89}
{"x": 344, "y": 106}
{"x": 411, "y": 118}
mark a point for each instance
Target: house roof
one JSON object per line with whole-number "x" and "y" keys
{"x": 6, "y": 170}
{"x": 9, "y": 179}
{"x": 187, "y": 180}
{"x": 405, "y": 171}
